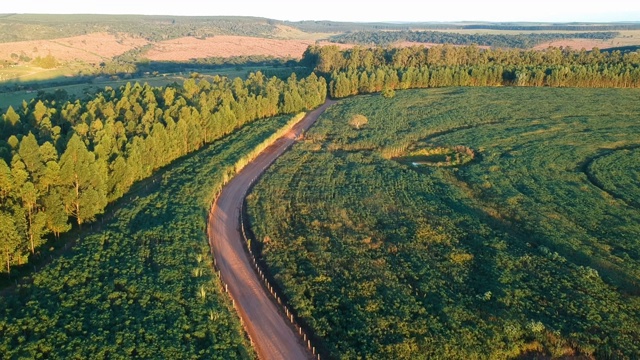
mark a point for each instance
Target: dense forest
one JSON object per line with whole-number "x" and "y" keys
{"x": 69, "y": 159}
{"x": 527, "y": 250}
{"x": 361, "y": 70}
{"x": 522, "y": 41}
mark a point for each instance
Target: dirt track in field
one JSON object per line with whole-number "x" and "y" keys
{"x": 272, "y": 335}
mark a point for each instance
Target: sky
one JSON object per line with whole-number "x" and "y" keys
{"x": 346, "y": 10}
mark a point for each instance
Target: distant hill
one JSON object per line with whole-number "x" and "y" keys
{"x": 23, "y": 27}
{"x": 48, "y": 46}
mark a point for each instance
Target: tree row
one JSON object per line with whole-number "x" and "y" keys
{"x": 522, "y": 41}
{"x": 360, "y": 70}
{"x": 68, "y": 160}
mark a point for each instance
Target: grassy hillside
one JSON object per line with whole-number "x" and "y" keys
{"x": 528, "y": 249}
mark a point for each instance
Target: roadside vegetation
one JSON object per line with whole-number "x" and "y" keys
{"x": 62, "y": 159}
{"x": 513, "y": 254}
{"x": 140, "y": 282}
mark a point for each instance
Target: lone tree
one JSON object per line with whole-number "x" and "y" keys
{"x": 358, "y": 121}
{"x": 388, "y": 93}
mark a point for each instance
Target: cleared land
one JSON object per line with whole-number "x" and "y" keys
{"x": 427, "y": 45}
{"x": 187, "y": 48}
{"x": 90, "y": 48}
{"x": 577, "y": 44}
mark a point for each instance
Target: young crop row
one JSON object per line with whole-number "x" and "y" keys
{"x": 514, "y": 254}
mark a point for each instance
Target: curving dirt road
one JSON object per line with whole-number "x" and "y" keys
{"x": 272, "y": 336}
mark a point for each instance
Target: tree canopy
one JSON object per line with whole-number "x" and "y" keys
{"x": 62, "y": 160}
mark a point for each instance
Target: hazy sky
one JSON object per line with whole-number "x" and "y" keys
{"x": 345, "y": 10}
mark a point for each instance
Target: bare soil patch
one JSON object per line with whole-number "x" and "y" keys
{"x": 186, "y": 48}
{"x": 575, "y": 44}
{"x": 91, "y": 48}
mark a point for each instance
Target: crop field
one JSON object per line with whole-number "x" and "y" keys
{"x": 618, "y": 173}
{"x": 141, "y": 283}
{"x": 463, "y": 223}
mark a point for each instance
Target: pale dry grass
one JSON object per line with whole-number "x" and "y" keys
{"x": 401, "y": 44}
{"x": 225, "y": 46}
{"x": 576, "y": 44}
{"x": 288, "y": 32}
{"x": 627, "y": 38}
{"x": 91, "y": 48}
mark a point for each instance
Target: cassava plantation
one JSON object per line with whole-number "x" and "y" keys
{"x": 528, "y": 249}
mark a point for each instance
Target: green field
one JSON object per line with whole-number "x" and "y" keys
{"x": 530, "y": 249}
{"x": 98, "y": 83}
{"x": 141, "y": 284}
{"x": 618, "y": 173}
{"x": 25, "y": 73}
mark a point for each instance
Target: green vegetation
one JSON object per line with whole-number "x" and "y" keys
{"x": 554, "y": 27}
{"x": 436, "y": 156}
{"x": 130, "y": 67}
{"x": 516, "y": 254}
{"x": 26, "y": 74}
{"x": 522, "y": 41}
{"x": 508, "y": 237}
{"x": 51, "y": 83}
{"x": 361, "y": 71}
{"x": 153, "y": 28}
{"x": 23, "y": 27}
{"x": 64, "y": 159}
{"x": 335, "y": 27}
{"x": 618, "y": 173}
{"x": 140, "y": 284}
{"x": 47, "y": 62}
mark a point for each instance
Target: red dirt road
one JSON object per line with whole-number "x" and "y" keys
{"x": 270, "y": 332}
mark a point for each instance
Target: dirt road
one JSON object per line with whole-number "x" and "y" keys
{"x": 271, "y": 333}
